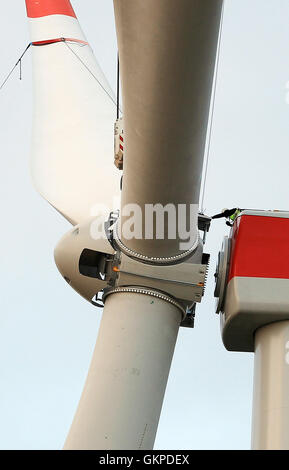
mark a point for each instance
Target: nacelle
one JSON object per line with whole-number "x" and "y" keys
{"x": 252, "y": 277}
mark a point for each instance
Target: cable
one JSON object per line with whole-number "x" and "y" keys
{"x": 213, "y": 108}
{"x": 65, "y": 41}
{"x": 117, "y": 88}
{"x": 91, "y": 73}
{"x": 18, "y": 62}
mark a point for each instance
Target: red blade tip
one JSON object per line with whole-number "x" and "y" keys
{"x": 38, "y": 8}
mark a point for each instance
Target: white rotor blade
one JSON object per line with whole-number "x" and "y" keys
{"x": 166, "y": 94}
{"x": 74, "y": 114}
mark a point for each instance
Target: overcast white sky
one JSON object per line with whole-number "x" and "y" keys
{"x": 47, "y": 332}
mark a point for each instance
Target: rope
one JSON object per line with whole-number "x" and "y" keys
{"x": 212, "y": 108}
{"x": 12, "y": 70}
{"x": 117, "y": 88}
{"x": 65, "y": 41}
{"x": 91, "y": 73}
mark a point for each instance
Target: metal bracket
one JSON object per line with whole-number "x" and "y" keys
{"x": 204, "y": 223}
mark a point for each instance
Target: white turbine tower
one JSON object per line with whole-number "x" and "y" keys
{"x": 150, "y": 285}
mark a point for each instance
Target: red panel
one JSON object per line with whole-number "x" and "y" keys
{"x": 38, "y": 8}
{"x": 53, "y": 41}
{"x": 260, "y": 247}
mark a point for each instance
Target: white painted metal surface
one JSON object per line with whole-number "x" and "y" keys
{"x": 250, "y": 303}
{"x": 270, "y": 427}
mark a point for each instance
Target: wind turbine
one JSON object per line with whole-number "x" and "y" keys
{"x": 150, "y": 285}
